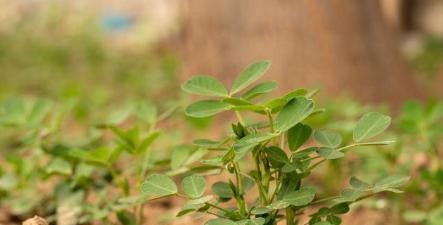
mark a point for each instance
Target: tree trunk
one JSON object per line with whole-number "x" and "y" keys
{"x": 342, "y": 46}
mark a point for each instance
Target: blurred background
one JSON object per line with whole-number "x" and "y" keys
{"x": 104, "y": 54}
{"x": 379, "y": 51}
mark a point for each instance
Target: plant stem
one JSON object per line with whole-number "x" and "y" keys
{"x": 241, "y": 199}
{"x": 290, "y": 216}
{"x": 240, "y": 118}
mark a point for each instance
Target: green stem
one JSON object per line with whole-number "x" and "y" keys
{"x": 241, "y": 199}
{"x": 290, "y": 216}
{"x": 240, "y": 118}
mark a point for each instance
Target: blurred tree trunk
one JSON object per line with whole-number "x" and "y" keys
{"x": 340, "y": 45}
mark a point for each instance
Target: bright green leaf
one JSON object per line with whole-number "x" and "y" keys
{"x": 206, "y": 108}
{"x": 390, "y": 183}
{"x": 146, "y": 111}
{"x": 220, "y": 222}
{"x": 158, "y": 185}
{"x": 328, "y": 138}
{"x": 201, "y": 200}
{"x": 204, "y": 85}
{"x": 38, "y": 112}
{"x": 179, "y": 156}
{"x": 256, "y": 221}
{"x": 370, "y": 125}
{"x": 252, "y": 73}
{"x": 350, "y": 195}
{"x": 59, "y": 165}
{"x": 359, "y": 184}
{"x": 260, "y": 89}
{"x": 329, "y": 153}
{"x": 194, "y": 186}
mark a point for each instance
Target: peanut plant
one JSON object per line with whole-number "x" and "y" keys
{"x": 40, "y": 152}
{"x": 277, "y": 141}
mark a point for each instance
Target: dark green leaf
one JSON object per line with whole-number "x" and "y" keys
{"x": 293, "y": 112}
{"x": 340, "y": 208}
{"x": 300, "y": 197}
{"x": 298, "y": 135}
{"x": 222, "y": 190}
{"x": 277, "y": 156}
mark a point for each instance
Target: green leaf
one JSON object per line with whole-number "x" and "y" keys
{"x": 188, "y": 208}
{"x": 359, "y": 184}
{"x": 328, "y": 138}
{"x": 295, "y": 93}
{"x": 100, "y": 155}
{"x": 236, "y": 101}
{"x": 329, "y": 153}
{"x": 390, "y": 183}
{"x": 12, "y": 111}
{"x": 340, "y": 208}
{"x": 222, "y": 190}
{"x": 281, "y": 204}
{"x": 220, "y": 222}
{"x": 120, "y": 115}
{"x": 333, "y": 219}
{"x": 300, "y": 197}
{"x": 277, "y": 156}
{"x": 323, "y": 223}
{"x": 38, "y": 112}
{"x": 259, "y": 89}
{"x": 298, "y": 135}
{"x": 261, "y": 210}
{"x": 201, "y": 200}
{"x": 204, "y": 85}
{"x": 206, "y": 143}
{"x": 293, "y": 112}
{"x": 246, "y": 144}
{"x": 59, "y": 165}
{"x": 194, "y": 186}
{"x": 370, "y": 125}
{"x": 146, "y": 111}
{"x": 206, "y": 108}
{"x": 252, "y": 73}
{"x": 147, "y": 142}
{"x": 256, "y": 221}
{"x": 179, "y": 156}
{"x": 350, "y": 195}
{"x": 158, "y": 185}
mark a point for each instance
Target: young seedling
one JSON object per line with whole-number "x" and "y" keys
{"x": 275, "y": 146}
